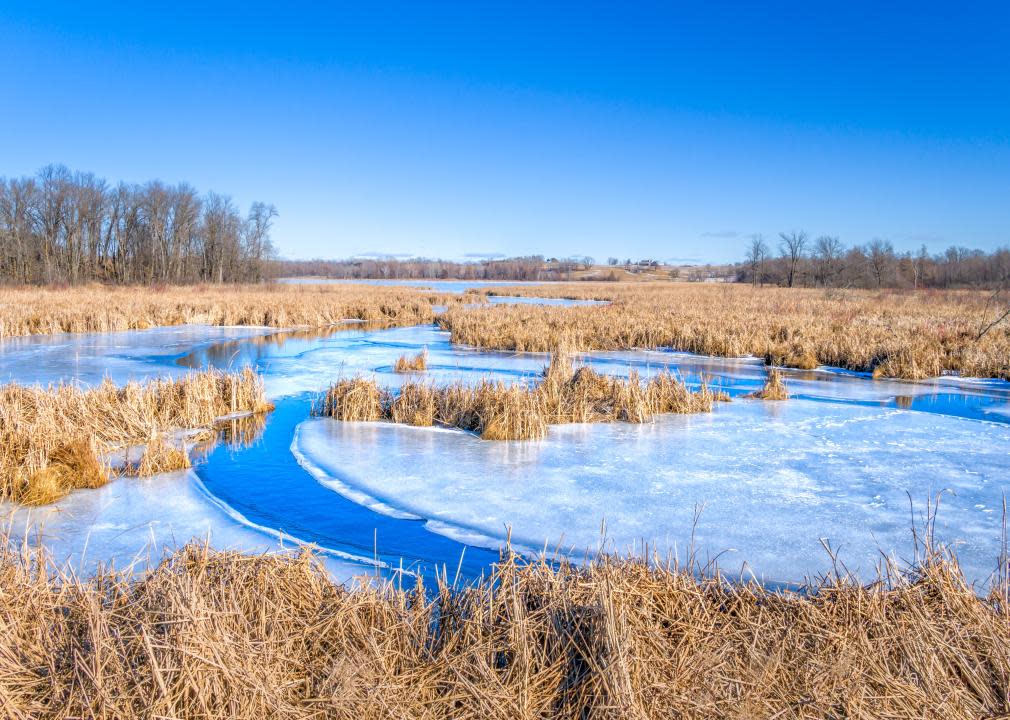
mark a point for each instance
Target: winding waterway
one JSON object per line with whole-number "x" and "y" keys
{"x": 847, "y": 463}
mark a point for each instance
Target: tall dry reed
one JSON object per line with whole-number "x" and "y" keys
{"x": 497, "y": 411}
{"x": 99, "y": 308}
{"x": 407, "y": 364}
{"x": 902, "y": 334}
{"x": 212, "y": 634}
{"x": 54, "y": 440}
{"x": 773, "y": 389}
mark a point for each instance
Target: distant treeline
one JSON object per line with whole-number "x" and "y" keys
{"x": 534, "y": 267}
{"x": 799, "y": 260}
{"x": 73, "y": 227}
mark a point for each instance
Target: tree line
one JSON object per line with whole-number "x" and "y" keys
{"x": 73, "y": 227}
{"x": 529, "y": 268}
{"x": 825, "y": 261}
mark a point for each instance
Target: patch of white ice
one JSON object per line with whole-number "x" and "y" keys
{"x": 775, "y": 479}
{"x": 135, "y": 521}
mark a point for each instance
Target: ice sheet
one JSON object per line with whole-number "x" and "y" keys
{"x": 834, "y": 462}
{"x": 121, "y": 356}
{"x": 135, "y": 521}
{"x": 774, "y": 479}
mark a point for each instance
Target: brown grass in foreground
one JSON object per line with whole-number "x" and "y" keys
{"x": 417, "y": 363}
{"x": 773, "y": 389}
{"x": 497, "y": 411}
{"x": 99, "y": 308}
{"x": 212, "y": 634}
{"x": 900, "y": 334}
{"x": 53, "y": 440}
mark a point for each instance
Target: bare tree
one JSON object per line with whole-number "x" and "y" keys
{"x": 881, "y": 256}
{"x": 827, "y": 258}
{"x": 792, "y": 246}
{"x": 72, "y": 227}
{"x": 757, "y": 253}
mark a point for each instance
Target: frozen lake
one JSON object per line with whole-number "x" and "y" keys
{"x": 848, "y": 462}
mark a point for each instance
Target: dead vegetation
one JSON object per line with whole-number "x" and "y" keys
{"x": 773, "y": 389}
{"x": 54, "y": 440}
{"x": 417, "y": 363}
{"x": 210, "y": 634}
{"x": 891, "y": 333}
{"x": 100, "y": 308}
{"x": 497, "y": 411}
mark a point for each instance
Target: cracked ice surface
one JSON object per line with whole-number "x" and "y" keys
{"x": 774, "y": 479}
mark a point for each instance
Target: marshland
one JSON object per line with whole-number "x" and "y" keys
{"x": 475, "y": 360}
{"x": 612, "y": 477}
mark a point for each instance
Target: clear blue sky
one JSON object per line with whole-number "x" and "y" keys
{"x": 631, "y": 129}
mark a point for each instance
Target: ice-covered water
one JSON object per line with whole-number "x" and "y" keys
{"x": 133, "y": 522}
{"x": 774, "y": 480}
{"x": 837, "y": 462}
{"x": 91, "y": 357}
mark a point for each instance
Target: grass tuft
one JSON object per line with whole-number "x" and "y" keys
{"x": 417, "y": 363}
{"x": 162, "y": 456}
{"x": 497, "y": 411}
{"x": 54, "y": 440}
{"x": 773, "y": 389}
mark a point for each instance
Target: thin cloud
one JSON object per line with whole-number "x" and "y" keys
{"x": 381, "y": 256}
{"x": 484, "y": 256}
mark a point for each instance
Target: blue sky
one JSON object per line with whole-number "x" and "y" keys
{"x": 658, "y": 130}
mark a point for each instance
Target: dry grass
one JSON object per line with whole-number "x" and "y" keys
{"x": 161, "y": 455}
{"x": 497, "y": 411}
{"x": 773, "y": 389}
{"x": 52, "y": 440}
{"x": 222, "y": 635}
{"x": 890, "y": 333}
{"x": 99, "y": 308}
{"x": 417, "y": 363}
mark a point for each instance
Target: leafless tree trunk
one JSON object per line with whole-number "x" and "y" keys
{"x": 792, "y": 246}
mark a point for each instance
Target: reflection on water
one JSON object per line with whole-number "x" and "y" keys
{"x": 265, "y": 484}
{"x": 236, "y": 433}
{"x": 249, "y": 352}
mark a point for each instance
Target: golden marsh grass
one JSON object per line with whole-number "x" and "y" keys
{"x": 52, "y": 440}
{"x": 209, "y": 634}
{"x": 891, "y": 333}
{"x": 497, "y": 411}
{"x": 100, "y": 308}
{"x": 773, "y": 389}
{"x": 407, "y": 364}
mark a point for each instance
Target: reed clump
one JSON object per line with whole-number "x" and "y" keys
{"x": 100, "y": 308}
{"x": 408, "y": 364}
{"x": 161, "y": 455}
{"x": 497, "y": 411}
{"x": 209, "y": 634}
{"x": 890, "y": 333}
{"x": 55, "y": 439}
{"x": 356, "y": 399}
{"x": 773, "y": 389}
